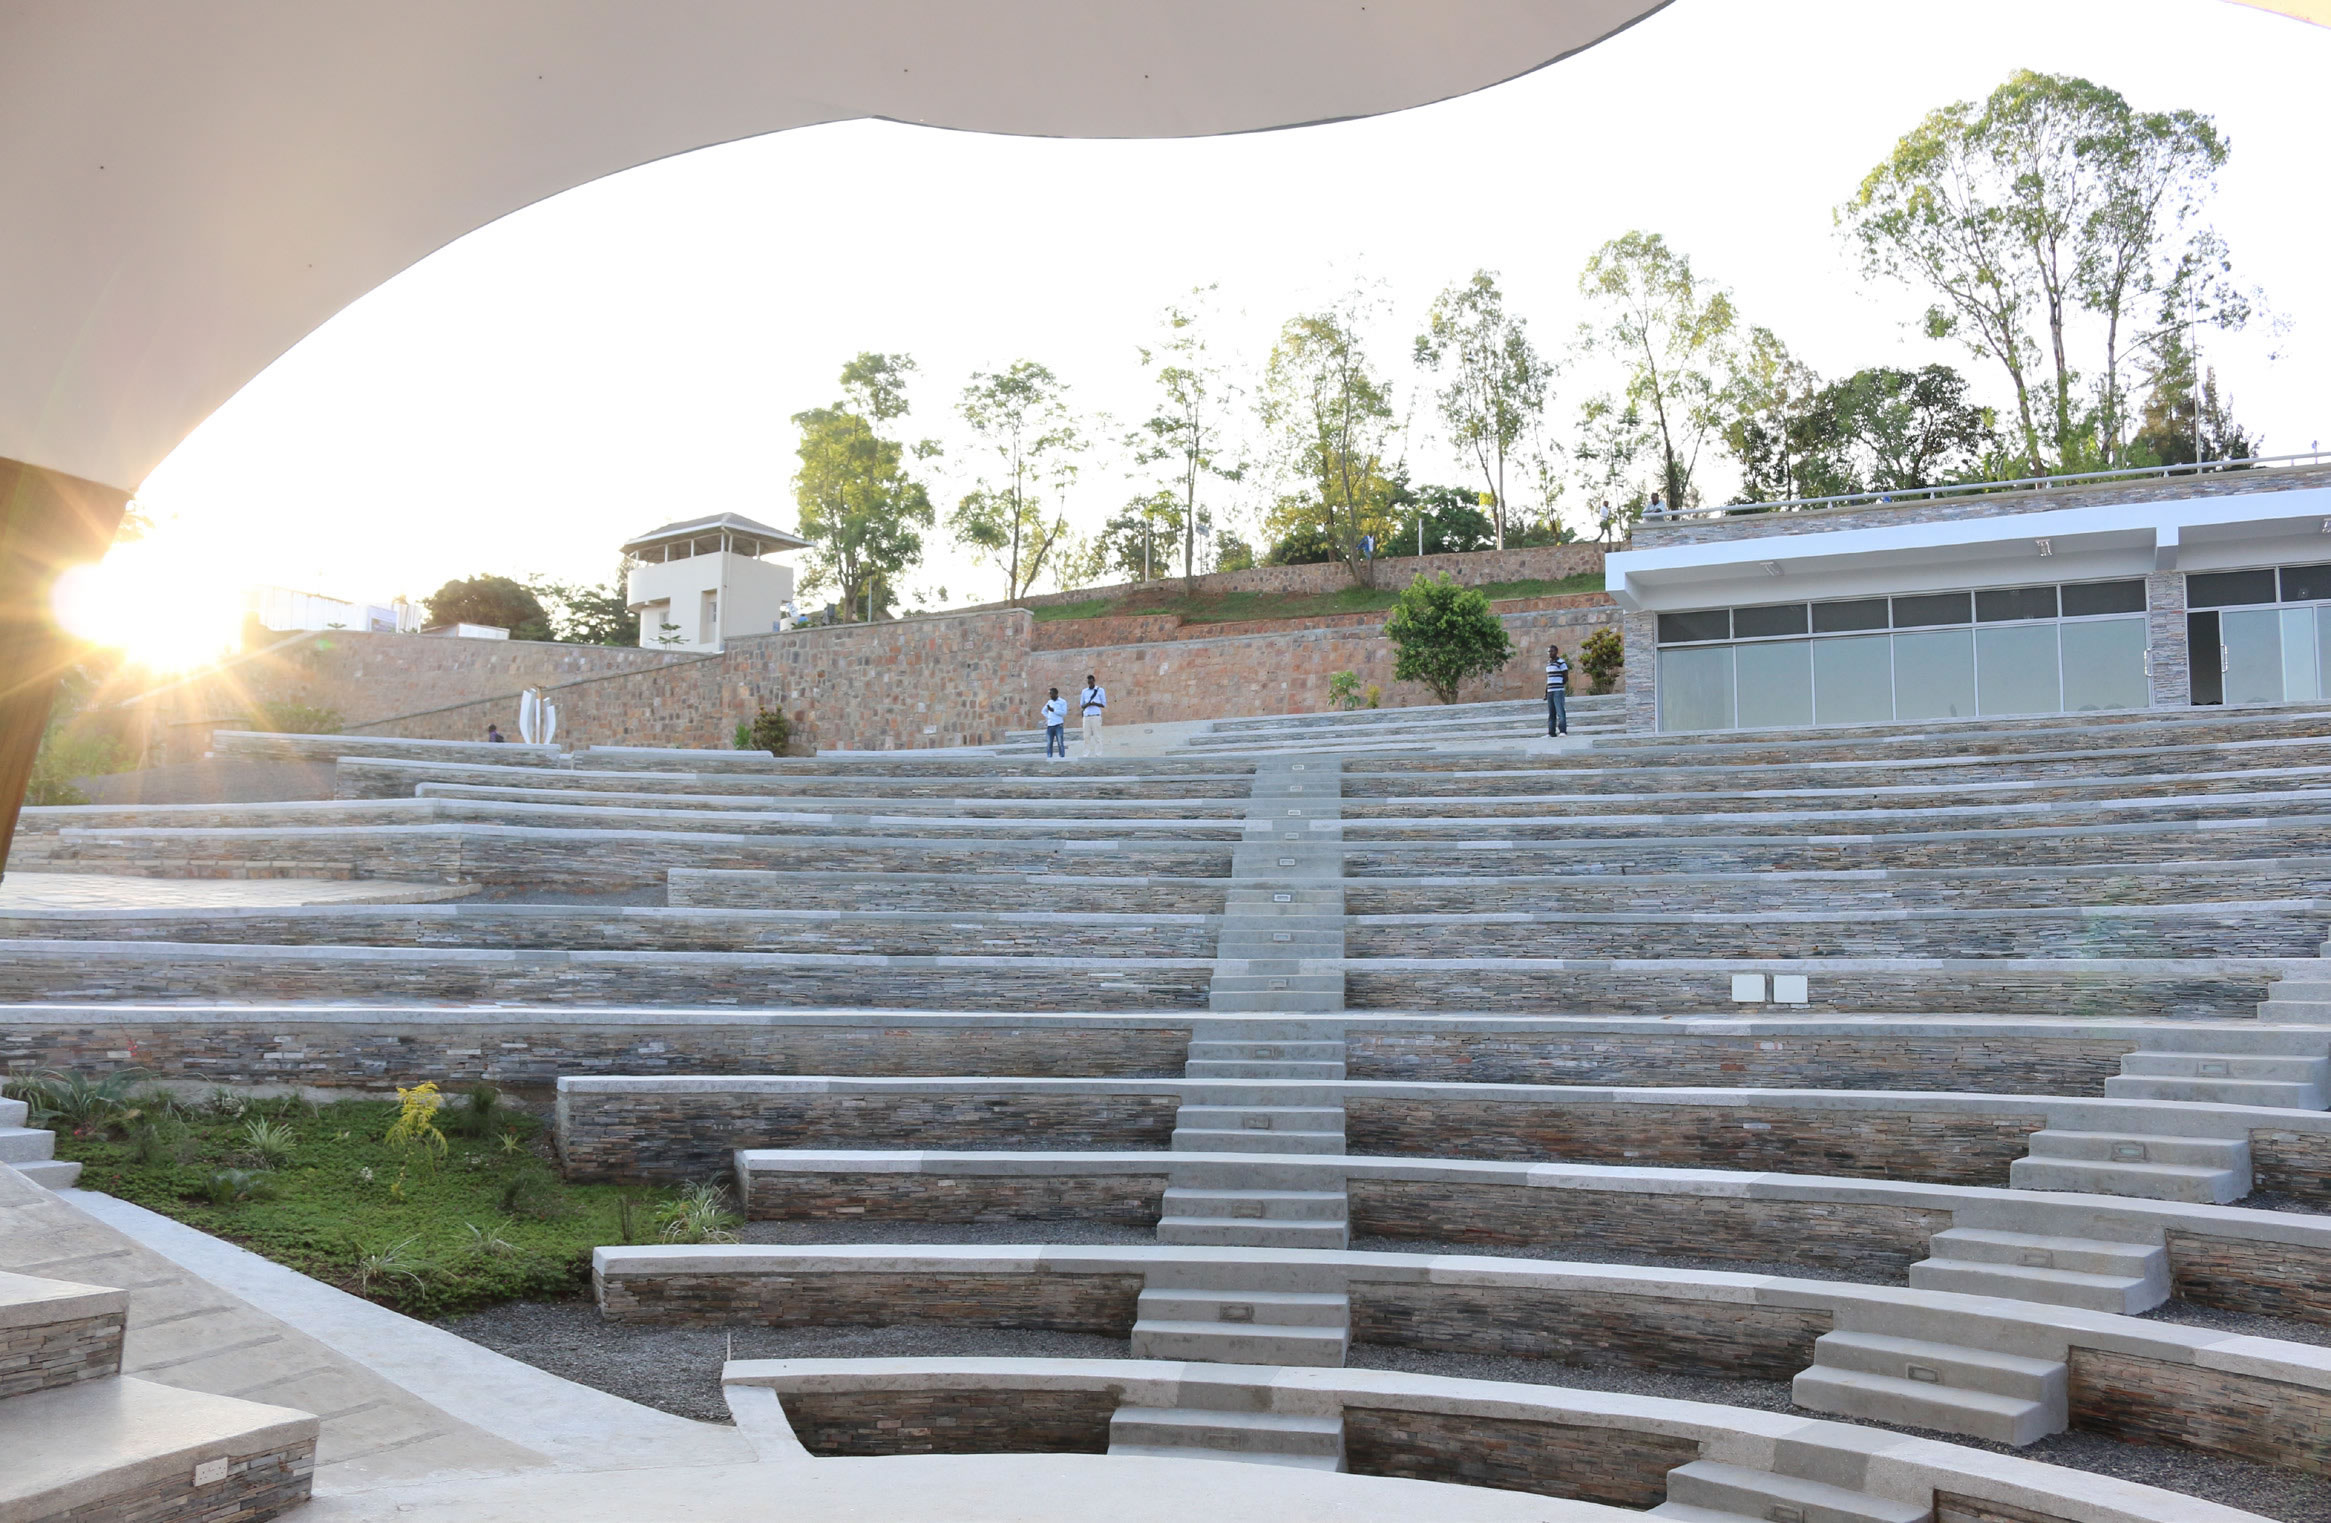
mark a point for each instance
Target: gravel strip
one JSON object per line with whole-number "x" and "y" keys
{"x": 677, "y": 1369}
{"x": 2250, "y": 1324}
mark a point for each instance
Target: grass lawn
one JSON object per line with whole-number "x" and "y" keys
{"x": 423, "y": 1228}
{"x": 1223, "y": 608}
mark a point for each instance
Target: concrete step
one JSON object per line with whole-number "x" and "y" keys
{"x": 24, "y": 1144}
{"x": 1224, "y": 1274}
{"x": 1742, "y": 1492}
{"x": 1255, "y": 1203}
{"x": 2292, "y": 1068}
{"x": 13, "y": 1112}
{"x": 2278, "y": 1006}
{"x": 1918, "y": 1404}
{"x": 1238, "y": 1068}
{"x": 2124, "y": 1295}
{"x": 1248, "y": 1173}
{"x": 2141, "y": 1181}
{"x": 1291, "y": 1050}
{"x": 124, "y": 1448}
{"x": 2033, "y": 1250}
{"x": 1228, "y": 1343}
{"x": 1287, "y": 1001}
{"x": 1263, "y": 1117}
{"x": 1270, "y": 1438}
{"x": 2280, "y": 1094}
{"x": 1247, "y": 1308}
{"x": 1242, "y": 1140}
{"x": 1947, "y": 1364}
{"x": 1236, "y": 1232}
{"x": 2133, "y": 1147}
{"x": 50, "y": 1174}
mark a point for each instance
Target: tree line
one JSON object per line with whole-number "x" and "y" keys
{"x": 2055, "y": 234}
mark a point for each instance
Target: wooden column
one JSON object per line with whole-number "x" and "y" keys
{"x": 47, "y": 523}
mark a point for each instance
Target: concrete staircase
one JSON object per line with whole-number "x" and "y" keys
{"x": 1229, "y": 1311}
{"x": 2090, "y": 1273}
{"x": 2210, "y": 1171}
{"x": 1942, "y": 1387}
{"x": 1228, "y": 1423}
{"x": 80, "y": 1440}
{"x": 1709, "y": 1491}
{"x": 31, "y": 1151}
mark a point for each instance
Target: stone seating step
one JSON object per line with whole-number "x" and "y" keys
{"x": 1261, "y": 1115}
{"x": 2130, "y": 1147}
{"x": 2037, "y": 1250}
{"x": 1267, "y": 1438}
{"x": 1735, "y": 1491}
{"x": 1910, "y": 1382}
{"x": 1216, "y": 1342}
{"x": 127, "y": 1448}
{"x": 1254, "y": 1204}
{"x": 1253, "y": 1232}
{"x": 1292, "y": 1049}
{"x": 50, "y": 1173}
{"x": 24, "y": 1144}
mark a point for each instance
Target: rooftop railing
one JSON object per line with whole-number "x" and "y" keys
{"x": 1983, "y": 488}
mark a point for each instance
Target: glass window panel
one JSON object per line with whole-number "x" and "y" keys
{"x": 1934, "y": 675}
{"x": 1843, "y": 618}
{"x": 2228, "y": 589}
{"x": 1695, "y": 689}
{"x": 1761, "y": 623}
{"x": 1931, "y": 608}
{"x": 2306, "y": 584}
{"x": 2300, "y": 684}
{"x": 2253, "y": 650}
{"x": 1997, "y": 604}
{"x": 1709, "y": 624}
{"x": 1775, "y": 683}
{"x": 2015, "y": 670}
{"x": 2322, "y": 640}
{"x": 2104, "y": 665}
{"x": 1853, "y": 680}
{"x": 2083, "y": 598}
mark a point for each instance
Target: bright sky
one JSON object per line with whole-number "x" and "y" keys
{"x": 629, "y": 353}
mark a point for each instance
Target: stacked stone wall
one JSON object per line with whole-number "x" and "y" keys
{"x": 1674, "y": 1335}
{"x": 1472, "y": 568}
{"x": 1126, "y": 1200}
{"x": 2191, "y": 1406}
{"x": 1101, "y": 1304}
{"x": 45, "y": 1355}
{"x": 841, "y": 1423}
{"x": 1613, "y": 1466}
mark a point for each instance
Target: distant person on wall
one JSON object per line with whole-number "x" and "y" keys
{"x": 1557, "y": 692}
{"x": 1093, "y": 702}
{"x": 495, "y": 736}
{"x": 1056, "y": 726}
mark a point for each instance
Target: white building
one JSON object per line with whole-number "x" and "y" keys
{"x": 2130, "y": 590}
{"x": 704, "y": 581}
{"x": 287, "y": 609}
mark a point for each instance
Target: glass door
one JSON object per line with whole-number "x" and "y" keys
{"x": 2250, "y": 643}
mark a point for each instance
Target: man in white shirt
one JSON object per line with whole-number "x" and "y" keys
{"x": 1093, "y": 702}
{"x": 1056, "y": 726}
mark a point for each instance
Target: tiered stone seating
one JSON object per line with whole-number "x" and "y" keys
{"x": 1999, "y": 1021}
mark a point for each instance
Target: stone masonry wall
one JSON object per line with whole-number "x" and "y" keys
{"x": 1128, "y": 1200}
{"x": 1608, "y": 1465}
{"x": 256, "y": 1487}
{"x": 2152, "y": 1401}
{"x": 2270, "y": 1279}
{"x": 45, "y": 1355}
{"x": 648, "y": 1136}
{"x": 1994, "y": 1064}
{"x": 1475, "y": 568}
{"x": 835, "y": 1423}
{"x": 1873, "y": 1243}
{"x": 1932, "y": 1146}
{"x": 1589, "y": 1327}
{"x": 1102, "y": 1304}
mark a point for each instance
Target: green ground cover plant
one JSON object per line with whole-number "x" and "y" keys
{"x": 1226, "y": 607}
{"x": 461, "y": 1209}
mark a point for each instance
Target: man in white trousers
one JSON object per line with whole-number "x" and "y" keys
{"x": 1093, "y": 702}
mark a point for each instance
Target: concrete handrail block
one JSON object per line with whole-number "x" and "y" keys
{"x": 2027, "y": 1329}
{"x": 2157, "y": 1118}
{"x": 1889, "y": 1465}
{"x": 34, "y": 1301}
{"x": 2124, "y": 1219}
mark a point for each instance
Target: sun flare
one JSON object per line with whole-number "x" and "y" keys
{"x": 162, "y": 605}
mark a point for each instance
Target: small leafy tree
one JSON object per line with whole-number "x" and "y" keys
{"x": 1445, "y": 633}
{"x": 495, "y": 601}
{"x": 1603, "y": 655}
{"x": 770, "y": 732}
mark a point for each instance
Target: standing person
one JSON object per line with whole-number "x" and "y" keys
{"x": 1093, "y": 702}
{"x": 1056, "y": 726}
{"x": 1557, "y": 692}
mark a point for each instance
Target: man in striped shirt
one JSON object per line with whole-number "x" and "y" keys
{"x": 1557, "y": 690}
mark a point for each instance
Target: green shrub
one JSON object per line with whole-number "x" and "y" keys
{"x": 769, "y": 731}
{"x": 232, "y": 1187}
{"x": 286, "y": 718}
{"x": 270, "y": 1142}
{"x": 1444, "y": 634}
{"x": 699, "y": 1213}
{"x": 1603, "y": 655}
{"x": 482, "y": 1114}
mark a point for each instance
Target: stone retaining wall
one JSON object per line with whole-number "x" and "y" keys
{"x": 1676, "y": 1336}
{"x": 45, "y": 1355}
{"x": 713, "y": 889}
{"x": 1102, "y": 1304}
{"x": 2156, "y": 1401}
{"x": 1614, "y": 1467}
{"x": 838, "y": 1423}
{"x": 1128, "y": 1200}
{"x": 1907, "y": 1059}
{"x": 1472, "y": 568}
{"x": 527, "y": 1050}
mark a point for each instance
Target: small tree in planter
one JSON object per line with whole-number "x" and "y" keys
{"x": 769, "y": 731}
{"x": 1603, "y": 655}
{"x": 1445, "y": 633}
